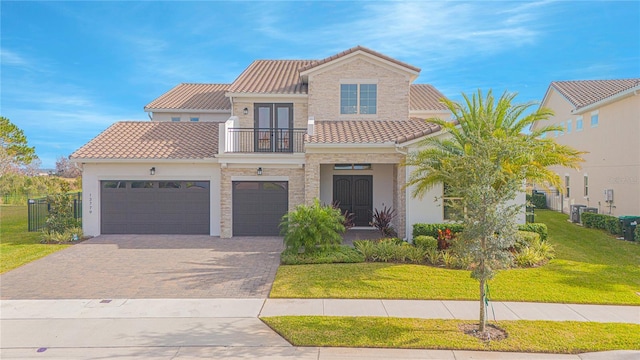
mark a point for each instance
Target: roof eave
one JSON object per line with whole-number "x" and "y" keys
{"x": 203, "y": 111}
{"x": 414, "y": 72}
{"x": 266, "y": 95}
{"x": 80, "y": 160}
{"x": 613, "y": 98}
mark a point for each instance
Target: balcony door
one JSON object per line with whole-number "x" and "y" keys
{"x": 273, "y": 125}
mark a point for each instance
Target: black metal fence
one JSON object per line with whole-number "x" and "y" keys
{"x": 249, "y": 140}
{"x": 38, "y": 210}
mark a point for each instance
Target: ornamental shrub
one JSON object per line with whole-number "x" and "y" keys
{"x": 312, "y": 227}
{"x": 539, "y": 228}
{"x": 636, "y": 233}
{"x": 339, "y": 254}
{"x": 426, "y": 242}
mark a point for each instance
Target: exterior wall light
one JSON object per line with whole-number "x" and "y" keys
{"x": 245, "y": 111}
{"x": 259, "y": 171}
{"x": 152, "y": 171}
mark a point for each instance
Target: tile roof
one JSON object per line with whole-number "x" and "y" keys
{"x": 271, "y": 76}
{"x": 370, "y": 131}
{"x": 425, "y": 97}
{"x": 193, "y": 96}
{"x": 582, "y": 93}
{"x": 354, "y": 49}
{"x": 153, "y": 140}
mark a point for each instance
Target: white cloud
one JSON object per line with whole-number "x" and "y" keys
{"x": 11, "y": 58}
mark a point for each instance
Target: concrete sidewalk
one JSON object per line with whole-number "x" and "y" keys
{"x": 230, "y": 328}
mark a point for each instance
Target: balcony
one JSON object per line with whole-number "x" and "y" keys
{"x": 267, "y": 140}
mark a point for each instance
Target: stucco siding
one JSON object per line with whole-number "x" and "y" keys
{"x": 613, "y": 158}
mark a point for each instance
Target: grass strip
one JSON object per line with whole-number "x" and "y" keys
{"x": 569, "y": 337}
{"x": 17, "y": 245}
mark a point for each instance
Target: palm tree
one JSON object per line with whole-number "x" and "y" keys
{"x": 484, "y": 159}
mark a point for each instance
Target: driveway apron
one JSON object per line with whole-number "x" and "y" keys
{"x": 150, "y": 266}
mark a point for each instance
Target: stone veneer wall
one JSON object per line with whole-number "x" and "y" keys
{"x": 393, "y": 91}
{"x": 312, "y": 178}
{"x": 296, "y": 178}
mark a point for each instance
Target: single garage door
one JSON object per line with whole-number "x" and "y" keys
{"x": 154, "y": 207}
{"x": 258, "y": 207}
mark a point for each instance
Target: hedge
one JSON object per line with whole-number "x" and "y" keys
{"x": 432, "y": 229}
{"x": 636, "y": 233}
{"x": 602, "y": 221}
{"x": 538, "y": 200}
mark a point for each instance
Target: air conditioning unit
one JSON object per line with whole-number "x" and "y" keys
{"x": 575, "y": 212}
{"x": 608, "y": 195}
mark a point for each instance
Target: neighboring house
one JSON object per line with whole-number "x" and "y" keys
{"x": 231, "y": 159}
{"x": 601, "y": 117}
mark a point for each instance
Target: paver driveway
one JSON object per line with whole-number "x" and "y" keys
{"x": 150, "y": 266}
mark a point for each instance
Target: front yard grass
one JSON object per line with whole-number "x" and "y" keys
{"x": 17, "y": 245}
{"x": 590, "y": 267}
{"x": 523, "y": 336}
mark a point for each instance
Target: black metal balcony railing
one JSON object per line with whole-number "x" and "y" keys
{"x": 252, "y": 140}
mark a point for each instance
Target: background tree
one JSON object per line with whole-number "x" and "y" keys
{"x": 484, "y": 159}
{"x": 65, "y": 168}
{"x": 14, "y": 152}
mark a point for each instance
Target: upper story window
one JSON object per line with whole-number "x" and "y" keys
{"x": 579, "y": 124}
{"x": 568, "y": 126}
{"x": 561, "y": 131}
{"x": 358, "y": 99}
{"x": 194, "y": 119}
{"x": 175, "y": 118}
{"x": 594, "y": 119}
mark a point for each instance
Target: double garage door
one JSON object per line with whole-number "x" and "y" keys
{"x": 155, "y": 207}
{"x": 258, "y": 207}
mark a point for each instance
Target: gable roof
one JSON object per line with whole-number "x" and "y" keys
{"x": 153, "y": 140}
{"x": 426, "y": 97}
{"x": 582, "y": 93}
{"x": 354, "y": 49}
{"x": 370, "y": 131}
{"x": 193, "y": 97}
{"x": 271, "y": 76}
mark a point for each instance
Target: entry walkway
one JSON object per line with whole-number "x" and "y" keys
{"x": 231, "y": 329}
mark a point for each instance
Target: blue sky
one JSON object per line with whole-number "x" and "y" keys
{"x": 70, "y": 69}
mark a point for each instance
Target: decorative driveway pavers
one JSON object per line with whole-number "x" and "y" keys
{"x": 150, "y": 266}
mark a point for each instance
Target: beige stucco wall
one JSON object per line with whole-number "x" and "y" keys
{"x": 393, "y": 90}
{"x": 218, "y": 117}
{"x": 247, "y": 121}
{"x": 93, "y": 173}
{"x": 293, "y": 175}
{"x": 613, "y": 161}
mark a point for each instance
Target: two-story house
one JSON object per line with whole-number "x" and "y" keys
{"x": 231, "y": 159}
{"x": 601, "y": 117}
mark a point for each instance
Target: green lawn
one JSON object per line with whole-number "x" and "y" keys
{"x": 590, "y": 267}
{"x": 522, "y": 336}
{"x": 17, "y": 245}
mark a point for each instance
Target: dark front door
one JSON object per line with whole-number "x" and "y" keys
{"x": 354, "y": 193}
{"x": 273, "y": 124}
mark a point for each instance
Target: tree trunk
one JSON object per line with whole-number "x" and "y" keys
{"x": 483, "y": 319}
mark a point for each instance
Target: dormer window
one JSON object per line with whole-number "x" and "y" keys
{"x": 358, "y": 99}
